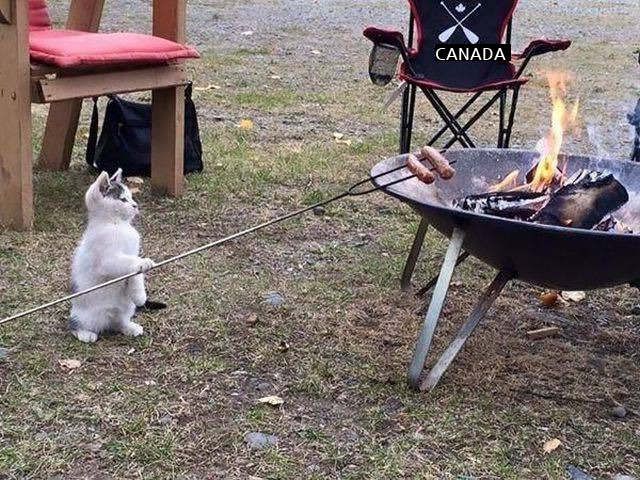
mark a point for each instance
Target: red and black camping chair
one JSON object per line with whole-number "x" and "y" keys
{"x": 453, "y": 22}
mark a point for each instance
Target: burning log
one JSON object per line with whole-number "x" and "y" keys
{"x": 517, "y": 205}
{"x": 547, "y": 196}
{"x": 584, "y": 201}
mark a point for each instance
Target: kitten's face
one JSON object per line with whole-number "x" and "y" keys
{"x": 111, "y": 197}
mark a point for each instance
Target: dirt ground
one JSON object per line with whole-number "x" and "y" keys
{"x": 336, "y": 340}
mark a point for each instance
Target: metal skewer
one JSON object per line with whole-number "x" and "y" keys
{"x": 351, "y": 192}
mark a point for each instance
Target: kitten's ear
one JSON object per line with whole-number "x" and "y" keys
{"x": 103, "y": 183}
{"x": 117, "y": 177}
{"x": 97, "y": 189}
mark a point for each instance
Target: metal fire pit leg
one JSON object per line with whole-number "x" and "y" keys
{"x": 479, "y": 311}
{"x": 431, "y": 283}
{"x": 410, "y": 265}
{"x": 435, "y": 307}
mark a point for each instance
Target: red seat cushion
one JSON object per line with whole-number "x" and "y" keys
{"x": 72, "y": 48}
{"x": 39, "y": 15}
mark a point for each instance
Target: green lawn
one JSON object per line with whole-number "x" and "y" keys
{"x": 177, "y": 402}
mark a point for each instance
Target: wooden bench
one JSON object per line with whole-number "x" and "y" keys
{"x": 22, "y": 83}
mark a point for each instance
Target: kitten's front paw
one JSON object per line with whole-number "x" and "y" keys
{"x": 86, "y": 336}
{"x": 139, "y": 298}
{"x": 145, "y": 265}
{"x": 132, "y": 329}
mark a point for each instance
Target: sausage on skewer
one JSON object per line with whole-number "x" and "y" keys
{"x": 438, "y": 162}
{"x": 419, "y": 170}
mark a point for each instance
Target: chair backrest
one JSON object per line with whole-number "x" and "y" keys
{"x": 39, "y": 18}
{"x": 442, "y": 22}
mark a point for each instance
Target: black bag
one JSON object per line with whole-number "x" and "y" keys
{"x": 125, "y": 140}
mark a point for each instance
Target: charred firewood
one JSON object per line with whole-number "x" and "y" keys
{"x": 613, "y": 225}
{"x": 584, "y": 201}
{"x": 516, "y": 205}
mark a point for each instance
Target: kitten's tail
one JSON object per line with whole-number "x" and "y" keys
{"x": 151, "y": 305}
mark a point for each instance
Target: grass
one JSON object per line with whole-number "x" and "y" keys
{"x": 177, "y": 402}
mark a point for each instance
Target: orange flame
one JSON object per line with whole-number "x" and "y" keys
{"x": 509, "y": 182}
{"x": 561, "y": 119}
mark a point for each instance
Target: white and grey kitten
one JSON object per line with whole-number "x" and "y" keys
{"x": 110, "y": 248}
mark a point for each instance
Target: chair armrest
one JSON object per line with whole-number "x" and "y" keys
{"x": 169, "y": 19}
{"x": 85, "y": 15}
{"x": 540, "y": 47}
{"x": 390, "y": 37}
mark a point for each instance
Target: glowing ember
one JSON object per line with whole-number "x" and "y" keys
{"x": 561, "y": 119}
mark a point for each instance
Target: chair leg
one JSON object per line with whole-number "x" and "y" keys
{"x": 512, "y": 115}
{"x": 406, "y": 127}
{"x": 410, "y": 265}
{"x": 167, "y": 140}
{"x": 435, "y": 307}
{"x": 406, "y": 118}
{"x": 501, "y": 129}
{"x": 457, "y": 115}
{"x": 60, "y": 134}
{"x": 16, "y": 183}
{"x": 474, "y": 119}
{"x": 459, "y": 134}
{"x": 453, "y": 120}
{"x": 412, "y": 106}
{"x": 16, "y": 178}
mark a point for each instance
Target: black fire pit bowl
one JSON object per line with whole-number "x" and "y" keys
{"x": 552, "y": 257}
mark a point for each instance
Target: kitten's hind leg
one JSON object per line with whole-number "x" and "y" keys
{"x": 126, "y": 326}
{"x": 131, "y": 329}
{"x": 78, "y": 331}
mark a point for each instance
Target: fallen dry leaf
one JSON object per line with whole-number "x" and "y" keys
{"x": 549, "y": 299}
{"x": 574, "y": 296}
{"x": 246, "y": 124}
{"x": 551, "y": 445}
{"x": 273, "y": 400}
{"x": 339, "y": 138}
{"x": 251, "y": 320}
{"x": 208, "y": 87}
{"x": 70, "y": 364}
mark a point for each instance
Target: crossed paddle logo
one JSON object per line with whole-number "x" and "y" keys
{"x": 446, "y": 34}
